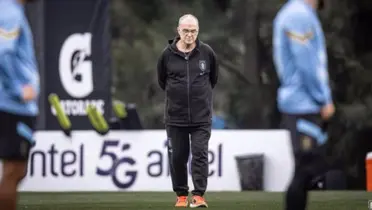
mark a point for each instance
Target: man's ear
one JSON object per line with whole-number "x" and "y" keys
{"x": 178, "y": 31}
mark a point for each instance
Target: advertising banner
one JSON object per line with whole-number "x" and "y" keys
{"x": 77, "y": 59}
{"x": 138, "y": 161}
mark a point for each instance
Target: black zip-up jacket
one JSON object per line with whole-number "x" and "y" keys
{"x": 188, "y": 80}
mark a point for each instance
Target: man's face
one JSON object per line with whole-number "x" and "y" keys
{"x": 188, "y": 32}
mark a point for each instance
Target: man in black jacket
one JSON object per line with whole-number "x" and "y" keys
{"x": 188, "y": 72}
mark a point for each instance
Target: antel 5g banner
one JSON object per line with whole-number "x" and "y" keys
{"x": 137, "y": 161}
{"x": 77, "y": 59}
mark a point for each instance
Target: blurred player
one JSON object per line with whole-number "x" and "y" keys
{"x": 188, "y": 72}
{"x": 304, "y": 96}
{"x": 19, "y": 87}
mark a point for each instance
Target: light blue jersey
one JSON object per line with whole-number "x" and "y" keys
{"x": 300, "y": 59}
{"x": 17, "y": 60}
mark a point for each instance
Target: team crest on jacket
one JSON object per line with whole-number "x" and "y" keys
{"x": 202, "y": 65}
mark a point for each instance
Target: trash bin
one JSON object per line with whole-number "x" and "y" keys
{"x": 251, "y": 171}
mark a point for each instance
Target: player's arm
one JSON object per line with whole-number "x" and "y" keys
{"x": 162, "y": 71}
{"x": 300, "y": 34}
{"x": 30, "y": 70}
{"x": 213, "y": 75}
{"x": 10, "y": 26}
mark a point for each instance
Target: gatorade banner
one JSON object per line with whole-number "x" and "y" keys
{"x": 77, "y": 59}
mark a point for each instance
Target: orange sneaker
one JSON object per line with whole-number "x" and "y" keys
{"x": 198, "y": 202}
{"x": 182, "y": 202}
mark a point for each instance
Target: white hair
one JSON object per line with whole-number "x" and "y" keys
{"x": 188, "y": 18}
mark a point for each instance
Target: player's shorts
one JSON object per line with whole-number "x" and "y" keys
{"x": 305, "y": 130}
{"x": 308, "y": 143}
{"x": 16, "y": 136}
{"x": 308, "y": 139}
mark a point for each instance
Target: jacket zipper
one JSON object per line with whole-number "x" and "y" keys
{"x": 188, "y": 87}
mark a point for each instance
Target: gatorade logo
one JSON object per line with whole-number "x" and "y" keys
{"x": 75, "y": 68}
{"x": 76, "y": 75}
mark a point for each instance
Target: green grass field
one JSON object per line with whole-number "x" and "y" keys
{"x": 163, "y": 201}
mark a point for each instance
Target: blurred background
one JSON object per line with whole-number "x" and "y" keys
{"x": 240, "y": 31}
{"x": 133, "y": 33}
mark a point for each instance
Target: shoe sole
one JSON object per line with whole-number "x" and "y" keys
{"x": 198, "y": 206}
